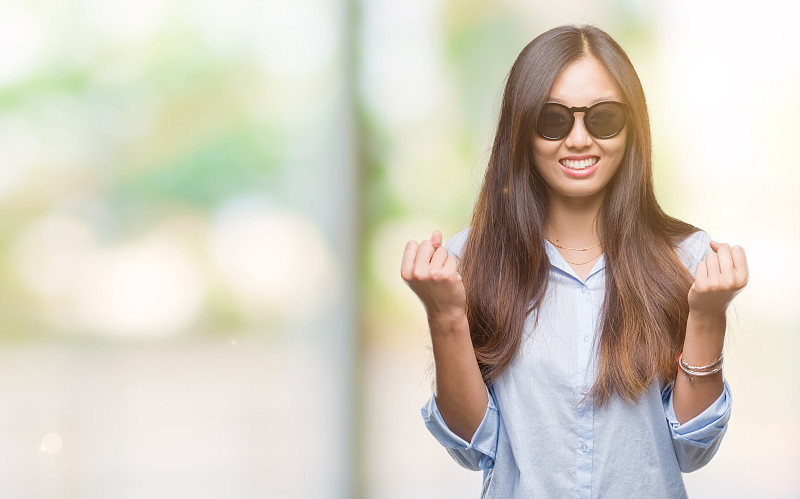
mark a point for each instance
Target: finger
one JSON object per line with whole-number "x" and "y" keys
{"x": 739, "y": 258}
{"x": 407, "y": 266}
{"x": 451, "y": 264}
{"x": 424, "y": 254}
{"x": 740, "y": 264}
{"x": 701, "y": 274}
{"x": 712, "y": 265}
{"x": 439, "y": 257}
{"x": 436, "y": 239}
{"x": 727, "y": 274}
{"x": 714, "y": 245}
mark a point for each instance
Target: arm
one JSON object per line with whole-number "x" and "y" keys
{"x": 460, "y": 393}
{"x": 718, "y": 279}
{"x": 698, "y": 411}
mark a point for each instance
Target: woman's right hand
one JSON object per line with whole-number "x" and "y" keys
{"x": 460, "y": 392}
{"x": 432, "y": 274}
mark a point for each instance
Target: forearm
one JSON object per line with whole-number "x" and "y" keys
{"x": 460, "y": 391}
{"x": 705, "y": 335}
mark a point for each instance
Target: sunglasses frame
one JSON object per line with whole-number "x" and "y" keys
{"x": 585, "y": 111}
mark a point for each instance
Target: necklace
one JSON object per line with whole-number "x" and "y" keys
{"x": 573, "y": 249}
{"x": 583, "y": 263}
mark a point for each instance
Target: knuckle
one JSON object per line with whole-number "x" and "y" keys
{"x": 419, "y": 274}
{"x": 705, "y": 287}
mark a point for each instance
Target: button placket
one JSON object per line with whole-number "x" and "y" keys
{"x": 585, "y": 410}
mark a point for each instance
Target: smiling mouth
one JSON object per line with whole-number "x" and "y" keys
{"x": 579, "y": 164}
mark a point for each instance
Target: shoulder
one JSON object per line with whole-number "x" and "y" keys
{"x": 693, "y": 249}
{"x": 455, "y": 245}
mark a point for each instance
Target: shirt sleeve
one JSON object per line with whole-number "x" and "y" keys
{"x": 455, "y": 245}
{"x": 693, "y": 250}
{"x": 697, "y": 440}
{"x": 477, "y": 454}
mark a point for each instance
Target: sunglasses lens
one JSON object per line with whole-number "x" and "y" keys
{"x": 605, "y": 120}
{"x": 555, "y": 122}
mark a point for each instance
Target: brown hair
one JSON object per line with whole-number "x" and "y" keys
{"x": 504, "y": 265}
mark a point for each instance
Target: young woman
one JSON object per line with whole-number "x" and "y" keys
{"x": 557, "y": 318}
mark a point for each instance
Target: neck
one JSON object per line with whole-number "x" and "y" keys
{"x": 573, "y": 222}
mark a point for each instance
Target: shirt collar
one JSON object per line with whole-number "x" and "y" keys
{"x": 557, "y": 261}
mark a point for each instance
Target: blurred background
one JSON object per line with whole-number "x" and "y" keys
{"x": 203, "y": 206}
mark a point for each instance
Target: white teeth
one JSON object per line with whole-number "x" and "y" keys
{"x": 579, "y": 165}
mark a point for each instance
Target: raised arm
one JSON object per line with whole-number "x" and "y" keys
{"x": 718, "y": 279}
{"x": 460, "y": 391}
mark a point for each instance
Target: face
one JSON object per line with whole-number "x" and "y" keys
{"x": 579, "y": 166}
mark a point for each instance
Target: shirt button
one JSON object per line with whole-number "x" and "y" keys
{"x": 585, "y": 389}
{"x": 584, "y": 289}
{"x": 586, "y": 338}
{"x": 584, "y": 448}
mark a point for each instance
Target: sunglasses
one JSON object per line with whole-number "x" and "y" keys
{"x": 602, "y": 120}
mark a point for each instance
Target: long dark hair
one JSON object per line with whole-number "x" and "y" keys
{"x": 504, "y": 265}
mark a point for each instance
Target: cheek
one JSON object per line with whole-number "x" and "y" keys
{"x": 616, "y": 149}
{"x": 544, "y": 150}
{"x": 543, "y": 163}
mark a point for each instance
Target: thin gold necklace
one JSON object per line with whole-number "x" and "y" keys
{"x": 573, "y": 249}
{"x": 583, "y": 263}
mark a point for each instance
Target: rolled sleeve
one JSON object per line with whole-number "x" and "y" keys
{"x": 479, "y": 453}
{"x": 697, "y": 440}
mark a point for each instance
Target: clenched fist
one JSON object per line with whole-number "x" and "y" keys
{"x": 718, "y": 279}
{"x": 432, "y": 274}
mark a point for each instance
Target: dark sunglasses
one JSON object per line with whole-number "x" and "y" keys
{"x": 603, "y": 120}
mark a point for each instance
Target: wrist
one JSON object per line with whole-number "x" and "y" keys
{"x": 448, "y": 321}
{"x": 705, "y": 320}
{"x": 705, "y": 336}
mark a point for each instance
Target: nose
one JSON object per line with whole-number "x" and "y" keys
{"x": 578, "y": 137}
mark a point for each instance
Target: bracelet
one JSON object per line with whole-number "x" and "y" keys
{"x": 692, "y": 371}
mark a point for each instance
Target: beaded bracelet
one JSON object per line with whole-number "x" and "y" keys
{"x": 692, "y": 371}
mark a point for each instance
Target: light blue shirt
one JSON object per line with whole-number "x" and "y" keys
{"x": 538, "y": 439}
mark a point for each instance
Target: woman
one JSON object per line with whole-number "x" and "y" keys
{"x": 557, "y": 318}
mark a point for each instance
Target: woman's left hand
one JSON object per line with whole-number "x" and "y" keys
{"x": 718, "y": 279}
